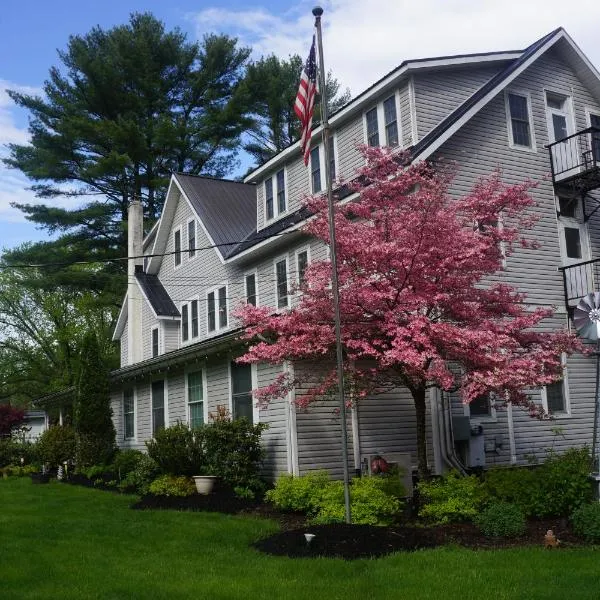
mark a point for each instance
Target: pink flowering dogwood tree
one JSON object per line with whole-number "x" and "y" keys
{"x": 418, "y": 306}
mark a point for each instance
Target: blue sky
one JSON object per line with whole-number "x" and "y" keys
{"x": 363, "y": 39}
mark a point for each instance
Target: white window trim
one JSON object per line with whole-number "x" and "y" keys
{"x": 130, "y": 440}
{"x": 565, "y": 383}
{"x": 287, "y": 272}
{"x": 187, "y": 232}
{"x": 572, "y": 126}
{"x": 276, "y": 213}
{"x": 322, "y": 161}
{"x": 217, "y": 328}
{"x": 308, "y": 261}
{"x": 254, "y": 379}
{"x": 381, "y": 120}
{"x": 511, "y": 143}
{"x": 246, "y": 274}
{"x": 160, "y": 339}
{"x": 202, "y": 368}
{"x": 590, "y": 110}
{"x": 165, "y": 402}
{"x": 481, "y": 419}
{"x": 175, "y": 265}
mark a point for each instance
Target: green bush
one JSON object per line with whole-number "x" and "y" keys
{"x": 179, "y": 450}
{"x": 18, "y": 470}
{"x": 234, "y": 453}
{"x": 299, "y": 494}
{"x": 586, "y": 522}
{"x": 451, "y": 498}
{"x": 170, "y": 485}
{"x": 97, "y": 471}
{"x": 13, "y": 450}
{"x": 554, "y": 488}
{"x": 501, "y": 520}
{"x": 56, "y": 445}
{"x": 125, "y": 461}
{"x": 370, "y": 502}
{"x": 373, "y": 500}
{"x": 141, "y": 477}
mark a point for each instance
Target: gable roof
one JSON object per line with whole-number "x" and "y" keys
{"x": 227, "y": 208}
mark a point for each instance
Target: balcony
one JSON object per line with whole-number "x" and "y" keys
{"x": 575, "y": 162}
{"x": 579, "y": 280}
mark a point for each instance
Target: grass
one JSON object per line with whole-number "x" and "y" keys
{"x": 59, "y": 541}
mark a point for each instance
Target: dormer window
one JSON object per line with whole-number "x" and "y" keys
{"x": 315, "y": 170}
{"x": 381, "y": 123}
{"x": 191, "y": 238}
{"x": 372, "y": 127}
{"x": 216, "y": 309}
{"x": 275, "y": 198}
{"x": 177, "y": 247}
{"x": 390, "y": 119}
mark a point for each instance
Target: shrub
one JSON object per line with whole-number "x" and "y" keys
{"x": 125, "y": 461}
{"x": 170, "y": 485}
{"x": 300, "y": 494}
{"x": 586, "y": 522}
{"x": 451, "y": 498}
{"x": 178, "y": 450}
{"x": 56, "y": 445}
{"x": 373, "y": 500}
{"x": 13, "y": 450}
{"x": 141, "y": 477}
{"x": 234, "y": 452}
{"x": 501, "y": 520}
{"x": 97, "y": 471}
{"x": 554, "y": 488}
{"x": 370, "y": 502}
{"x": 18, "y": 471}
{"x": 11, "y": 418}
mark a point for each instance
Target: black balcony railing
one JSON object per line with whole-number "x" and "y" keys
{"x": 576, "y": 159}
{"x": 580, "y": 279}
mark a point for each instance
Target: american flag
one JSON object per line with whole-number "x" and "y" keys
{"x": 305, "y": 100}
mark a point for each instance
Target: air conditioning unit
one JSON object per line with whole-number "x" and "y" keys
{"x": 400, "y": 459}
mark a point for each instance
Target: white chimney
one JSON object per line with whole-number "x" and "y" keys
{"x": 135, "y": 235}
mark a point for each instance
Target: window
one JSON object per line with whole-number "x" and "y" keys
{"x": 281, "y": 203}
{"x": 216, "y": 309}
{"x": 480, "y": 406}
{"x": 269, "y": 198}
{"x": 155, "y": 342}
{"x": 519, "y": 130}
{"x": 194, "y": 318}
{"x": 275, "y": 189}
{"x": 301, "y": 264}
{"x": 177, "y": 247}
{"x": 390, "y": 120}
{"x": 595, "y": 122}
{"x": 128, "y": 414}
{"x": 185, "y": 323}
{"x": 282, "y": 283}
{"x": 555, "y": 396}
{"x": 567, "y": 207}
{"x": 241, "y": 391}
{"x": 195, "y": 393}
{"x": 191, "y": 239}
{"x": 251, "y": 296}
{"x": 158, "y": 405}
{"x": 572, "y": 242}
{"x": 372, "y": 127}
{"x": 315, "y": 170}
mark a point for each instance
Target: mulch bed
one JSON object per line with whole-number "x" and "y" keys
{"x": 355, "y": 541}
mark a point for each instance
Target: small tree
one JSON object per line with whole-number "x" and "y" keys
{"x": 94, "y": 428}
{"x": 416, "y": 300}
{"x": 11, "y": 418}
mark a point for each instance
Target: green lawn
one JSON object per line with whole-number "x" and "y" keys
{"x": 59, "y": 541}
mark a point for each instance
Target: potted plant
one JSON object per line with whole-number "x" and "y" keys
{"x": 204, "y": 483}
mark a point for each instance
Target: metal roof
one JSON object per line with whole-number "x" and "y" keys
{"x": 227, "y": 208}
{"x": 157, "y": 295}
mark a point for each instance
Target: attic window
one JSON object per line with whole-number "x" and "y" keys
{"x": 177, "y": 247}
{"x": 518, "y": 110}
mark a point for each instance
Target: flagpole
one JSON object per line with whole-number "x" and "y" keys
{"x": 317, "y": 12}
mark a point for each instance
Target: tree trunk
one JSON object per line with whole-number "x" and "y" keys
{"x": 418, "y": 395}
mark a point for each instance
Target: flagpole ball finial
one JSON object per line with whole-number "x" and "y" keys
{"x": 317, "y": 11}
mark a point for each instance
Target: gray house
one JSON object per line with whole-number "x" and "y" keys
{"x": 220, "y": 243}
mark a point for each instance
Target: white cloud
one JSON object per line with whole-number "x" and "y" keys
{"x": 365, "y": 39}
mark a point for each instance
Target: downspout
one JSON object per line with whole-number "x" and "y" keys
{"x": 511, "y": 434}
{"x": 435, "y": 430}
{"x": 356, "y": 438}
{"x": 292, "y": 432}
{"x": 450, "y": 455}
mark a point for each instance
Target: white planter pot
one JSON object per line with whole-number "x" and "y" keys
{"x": 204, "y": 483}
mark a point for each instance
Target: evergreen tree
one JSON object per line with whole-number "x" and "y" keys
{"x": 272, "y": 83}
{"x": 126, "y": 108}
{"x": 95, "y": 432}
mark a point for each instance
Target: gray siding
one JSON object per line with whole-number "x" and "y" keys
{"x": 170, "y": 333}
{"x": 124, "y": 346}
{"x": 438, "y": 93}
